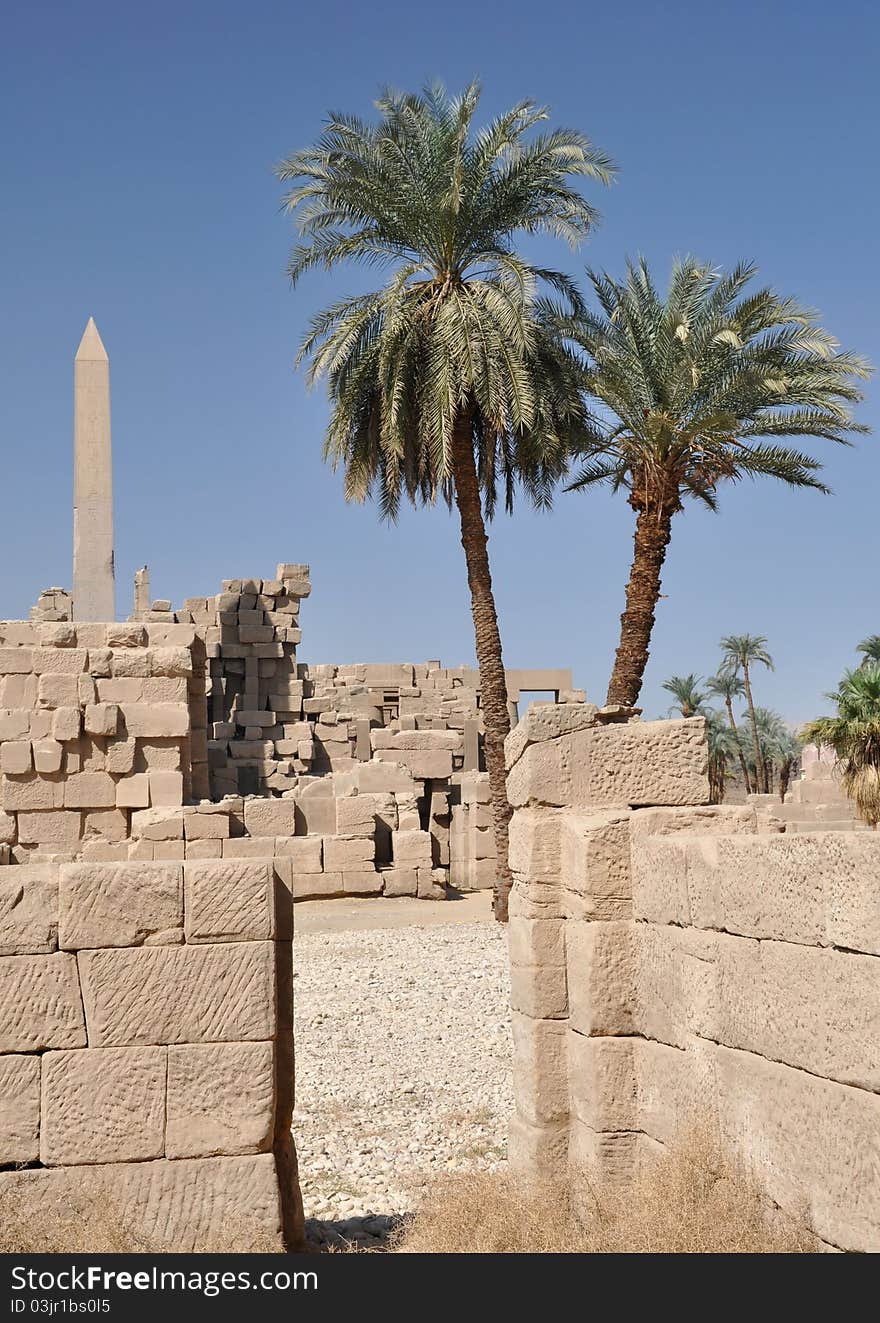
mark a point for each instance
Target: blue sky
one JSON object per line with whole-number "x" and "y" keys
{"x": 137, "y": 187}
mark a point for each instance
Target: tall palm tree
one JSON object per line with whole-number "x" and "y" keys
{"x": 742, "y": 652}
{"x": 871, "y": 648}
{"x": 685, "y": 690}
{"x": 854, "y": 735}
{"x": 696, "y": 389}
{"x": 728, "y": 686}
{"x": 785, "y": 752}
{"x": 449, "y": 381}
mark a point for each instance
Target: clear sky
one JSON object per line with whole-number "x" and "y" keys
{"x": 137, "y": 187}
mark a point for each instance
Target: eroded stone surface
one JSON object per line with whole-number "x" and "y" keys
{"x": 104, "y": 1105}
{"x": 40, "y": 1003}
{"x": 19, "y": 1108}
{"x": 229, "y": 900}
{"x": 28, "y": 909}
{"x": 188, "y": 994}
{"x": 119, "y": 905}
{"x": 221, "y": 1099}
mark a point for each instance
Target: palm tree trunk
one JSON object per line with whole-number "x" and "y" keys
{"x": 760, "y": 787}
{"x": 653, "y": 530}
{"x": 739, "y": 748}
{"x": 493, "y": 684}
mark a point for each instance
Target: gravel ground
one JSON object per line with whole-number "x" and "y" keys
{"x": 402, "y": 1067}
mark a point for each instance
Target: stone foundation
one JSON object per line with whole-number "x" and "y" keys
{"x": 672, "y": 965}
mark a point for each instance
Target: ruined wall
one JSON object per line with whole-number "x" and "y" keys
{"x": 672, "y": 965}
{"x": 146, "y": 1047}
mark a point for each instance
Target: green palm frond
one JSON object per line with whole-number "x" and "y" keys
{"x": 702, "y": 380}
{"x": 854, "y": 735}
{"x": 463, "y": 323}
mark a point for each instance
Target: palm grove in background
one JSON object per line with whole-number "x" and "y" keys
{"x": 472, "y": 372}
{"x": 854, "y": 733}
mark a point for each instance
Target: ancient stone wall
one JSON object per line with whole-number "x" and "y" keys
{"x": 673, "y": 965}
{"x": 146, "y": 1047}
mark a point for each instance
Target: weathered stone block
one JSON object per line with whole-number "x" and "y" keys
{"x": 601, "y": 976}
{"x": 603, "y": 1082}
{"x": 33, "y": 792}
{"x": 411, "y": 849}
{"x": 103, "y": 1105}
{"x": 158, "y": 824}
{"x": 305, "y": 852}
{"x": 19, "y": 1109}
{"x": 166, "y": 787}
{"x": 361, "y": 882}
{"x": 270, "y": 817}
{"x": 119, "y": 905}
{"x": 204, "y": 826}
{"x": 399, "y": 881}
{"x": 40, "y": 1003}
{"x": 187, "y": 994}
{"x": 133, "y": 791}
{"x": 540, "y": 1069}
{"x": 539, "y": 991}
{"x": 156, "y": 720}
{"x": 50, "y": 827}
{"x": 229, "y": 900}
{"x": 58, "y": 690}
{"x": 127, "y": 634}
{"x": 66, "y": 722}
{"x": 28, "y": 909}
{"x": 106, "y": 824}
{"x": 68, "y": 661}
{"x": 348, "y": 853}
{"x": 90, "y": 790}
{"x": 101, "y": 718}
{"x": 47, "y": 755}
{"x": 221, "y": 1099}
{"x": 15, "y": 757}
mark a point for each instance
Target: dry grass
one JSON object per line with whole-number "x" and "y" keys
{"x": 693, "y": 1201}
{"x": 30, "y": 1224}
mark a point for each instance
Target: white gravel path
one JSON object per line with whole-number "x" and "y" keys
{"x": 402, "y": 1064}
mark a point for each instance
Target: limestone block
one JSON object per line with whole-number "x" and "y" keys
{"x": 305, "y": 852}
{"x": 229, "y": 900}
{"x": 40, "y": 1003}
{"x": 28, "y": 909}
{"x": 641, "y": 763}
{"x": 534, "y": 845}
{"x": 203, "y": 850}
{"x": 15, "y": 757}
{"x": 249, "y": 847}
{"x": 361, "y": 882}
{"x": 170, "y": 851}
{"x": 100, "y": 661}
{"x": 536, "y": 777}
{"x": 58, "y": 690}
{"x": 312, "y": 886}
{"x": 357, "y": 815}
{"x": 57, "y": 634}
{"x": 539, "y": 991}
{"x": 399, "y": 881}
{"x": 433, "y": 765}
{"x": 119, "y": 757}
{"x": 431, "y": 883}
{"x": 536, "y": 941}
{"x": 166, "y": 788}
{"x": 184, "y": 994}
{"x": 90, "y": 790}
{"x": 66, "y": 723}
{"x": 14, "y": 722}
{"x": 100, "y": 1105}
{"x": 546, "y": 722}
{"x": 538, "y": 1153}
{"x": 411, "y": 849}
{"x": 16, "y": 661}
{"x": 270, "y": 817}
{"x": 163, "y": 689}
{"x": 159, "y": 755}
{"x": 660, "y": 884}
{"x": 107, "y": 824}
{"x": 33, "y": 792}
{"x": 7, "y": 828}
{"x": 174, "y": 662}
{"x": 677, "y": 981}
{"x": 158, "y": 824}
{"x": 676, "y": 1089}
{"x": 156, "y": 720}
{"x": 133, "y": 791}
{"x": 851, "y": 883}
{"x": 221, "y": 1099}
{"x": 603, "y": 1082}
{"x": 124, "y": 690}
{"x": 811, "y": 1141}
{"x": 204, "y": 826}
{"x": 601, "y": 976}
{"x": 18, "y": 691}
{"x": 595, "y": 864}
{"x": 19, "y": 1109}
{"x": 103, "y": 905}
{"x": 384, "y": 776}
{"x": 47, "y": 755}
{"x": 50, "y": 827}
{"x": 101, "y": 718}
{"x": 348, "y": 853}
{"x": 609, "y": 1157}
{"x": 128, "y": 634}
{"x": 540, "y": 1069}
{"x": 40, "y": 725}
{"x": 69, "y": 661}
{"x": 129, "y": 663}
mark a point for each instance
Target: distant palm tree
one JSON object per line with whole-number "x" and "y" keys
{"x": 786, "y": 752}
{"x": 741, "y": 652}
{"x": 854, "y": 735}
{"x": 448, "y": 382}
{"x": 696, "y": 389}
{"x": 685, "y": 690}
{"x": 722, "y": 746}
{"x": 871, "y": 648}
{"x": 728, "y": 686}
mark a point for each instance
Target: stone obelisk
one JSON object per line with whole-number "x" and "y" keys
{"x": 94, "y": 595}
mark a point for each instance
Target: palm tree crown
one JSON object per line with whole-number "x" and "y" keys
{"x": 459, "y": 324}
{"x": 871, "y": 648}
{"x": 700, "y": 383}
{"x": 744, "y": 651}
{"x": 686, "y": 692}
